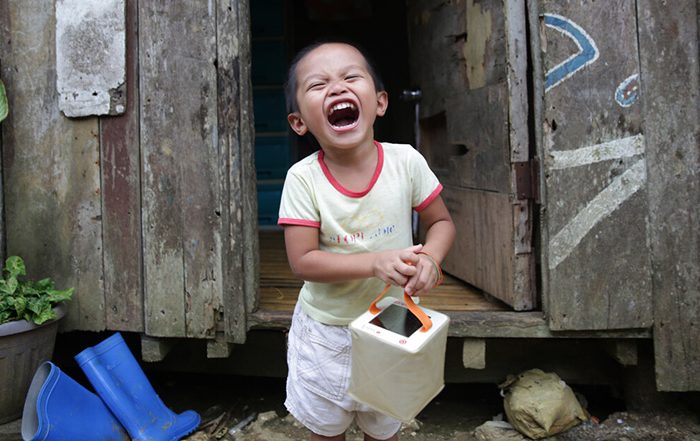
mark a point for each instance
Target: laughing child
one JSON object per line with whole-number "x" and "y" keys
{"x": 346, "y": 213}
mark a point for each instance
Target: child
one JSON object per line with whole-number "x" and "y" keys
{"x": 346, "y": 212}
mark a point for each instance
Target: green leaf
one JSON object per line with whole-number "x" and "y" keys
{"x": 58, "y": 296}
{"x": 11, "y": 285}
{"x": 3, "y": 102}
{"x": 43, "y": 284}
{"x": 44, "y": 316}
{"x": 6, "y": 288}
{"x": 19, "y": 304}
{"x": 14, "y": 266}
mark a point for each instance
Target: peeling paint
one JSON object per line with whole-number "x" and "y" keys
{"x": 90, "y": 56}
{"x": 478, "y": 34}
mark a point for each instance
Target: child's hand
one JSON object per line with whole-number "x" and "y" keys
{"x": 396, "y": 267}
{"x": 425, "y": 278}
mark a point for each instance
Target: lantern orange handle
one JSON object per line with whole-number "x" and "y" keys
{"x": 415, "y": 309}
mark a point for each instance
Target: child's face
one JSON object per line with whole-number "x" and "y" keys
{"x": 336, "y": 97}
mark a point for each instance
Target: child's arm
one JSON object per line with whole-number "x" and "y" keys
{"x": 440, "y": 234}
{"x": 310, "y": 263}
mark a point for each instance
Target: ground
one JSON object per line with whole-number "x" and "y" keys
{"x": 227, "y": 401}
{"x": 224, "y": 402}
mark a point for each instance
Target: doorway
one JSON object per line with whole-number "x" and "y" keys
{"x": 279, "y": 29}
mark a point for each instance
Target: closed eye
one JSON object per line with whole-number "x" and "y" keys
{"x": 314, "y": 86}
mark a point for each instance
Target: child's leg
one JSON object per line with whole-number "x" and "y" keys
{"x": 315, "y": 437}
{"x": 318, "y": 358}
{"x": 375, "y": 425}
{"x": 395, "y": 437}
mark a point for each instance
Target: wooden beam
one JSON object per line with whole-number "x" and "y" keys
{"x": 474, "y": 353}
{"x": 219, "y": 347}
{"x": 155, "y": 349}
{"x": 476, "y": 324}
{"x": 623, "y": 351}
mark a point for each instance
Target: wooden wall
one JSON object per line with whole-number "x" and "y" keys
{"x": 149, "y": 214}
{"x": 668, "y": 39}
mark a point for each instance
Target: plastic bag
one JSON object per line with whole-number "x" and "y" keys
{"x": 540, "y": 404}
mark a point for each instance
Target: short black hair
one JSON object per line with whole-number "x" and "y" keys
{"x": 290, "y": 86}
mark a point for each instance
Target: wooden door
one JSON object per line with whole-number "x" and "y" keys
{"x": 596, "y": 266}
{"x": 469, "y": 59}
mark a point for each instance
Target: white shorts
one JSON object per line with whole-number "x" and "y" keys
{"x": 318, "y": 357}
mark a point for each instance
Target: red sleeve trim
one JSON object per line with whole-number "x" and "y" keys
{"x": 423, "y": 205}
{"x": 301, "y": 222}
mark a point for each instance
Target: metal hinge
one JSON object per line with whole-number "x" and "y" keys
{"x": 526, "y": 179}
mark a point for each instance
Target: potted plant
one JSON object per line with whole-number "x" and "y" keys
{"x": 29, "y": 315}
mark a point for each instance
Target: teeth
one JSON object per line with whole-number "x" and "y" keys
{"x": 341, "y": 106}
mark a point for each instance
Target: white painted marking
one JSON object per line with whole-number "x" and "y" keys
{"x": 616, "y": 149}
{"x": 605, "y": 202}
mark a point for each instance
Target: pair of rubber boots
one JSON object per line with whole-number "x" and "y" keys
{"x": 57, "y": 408}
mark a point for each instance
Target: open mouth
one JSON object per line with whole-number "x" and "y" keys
{"x": 343, "y": 115}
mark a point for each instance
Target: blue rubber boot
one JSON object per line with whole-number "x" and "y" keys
{"x": 119, "y": 381}
{"x": 57, "y": 408}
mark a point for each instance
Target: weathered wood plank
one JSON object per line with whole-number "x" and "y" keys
{"x": 234, "y": 135}
{"x": 516, "y": 68}
{"x": 163, "y": 232}
{"x": 5, "y": 39}
{"x": 90, "y": 56}
{"x": 478, "y": 120}
{"x": 477, "y": 324}
{"x": 182, "y": 225}
{"x": 51, "y": 169}
{"x": 121, "y": 198}
{"x": 668, "y": 39}
{"x": 251, "y": 255}
{"x": 597, "y": 262}
{"x": 483, "y": 253}
{"x": 464, "y": 41}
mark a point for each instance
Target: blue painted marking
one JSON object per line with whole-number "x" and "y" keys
{"x": 587, "y": 53}
{"x": 628, "y": 91}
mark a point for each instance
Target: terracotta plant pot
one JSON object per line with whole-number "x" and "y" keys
{"x": 23, "y": 347}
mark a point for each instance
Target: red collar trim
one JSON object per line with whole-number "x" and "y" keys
{"x": 345, "y": 191}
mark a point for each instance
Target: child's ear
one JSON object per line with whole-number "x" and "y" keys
{"x": 297, "y": 124}
{"x": 382, "y": 103}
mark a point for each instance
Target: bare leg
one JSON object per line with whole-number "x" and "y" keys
{"x": 395, "y": 437}
{"x": 316, "y": 437}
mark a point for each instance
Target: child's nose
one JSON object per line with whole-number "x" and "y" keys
{"x": 338, "y": 88}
